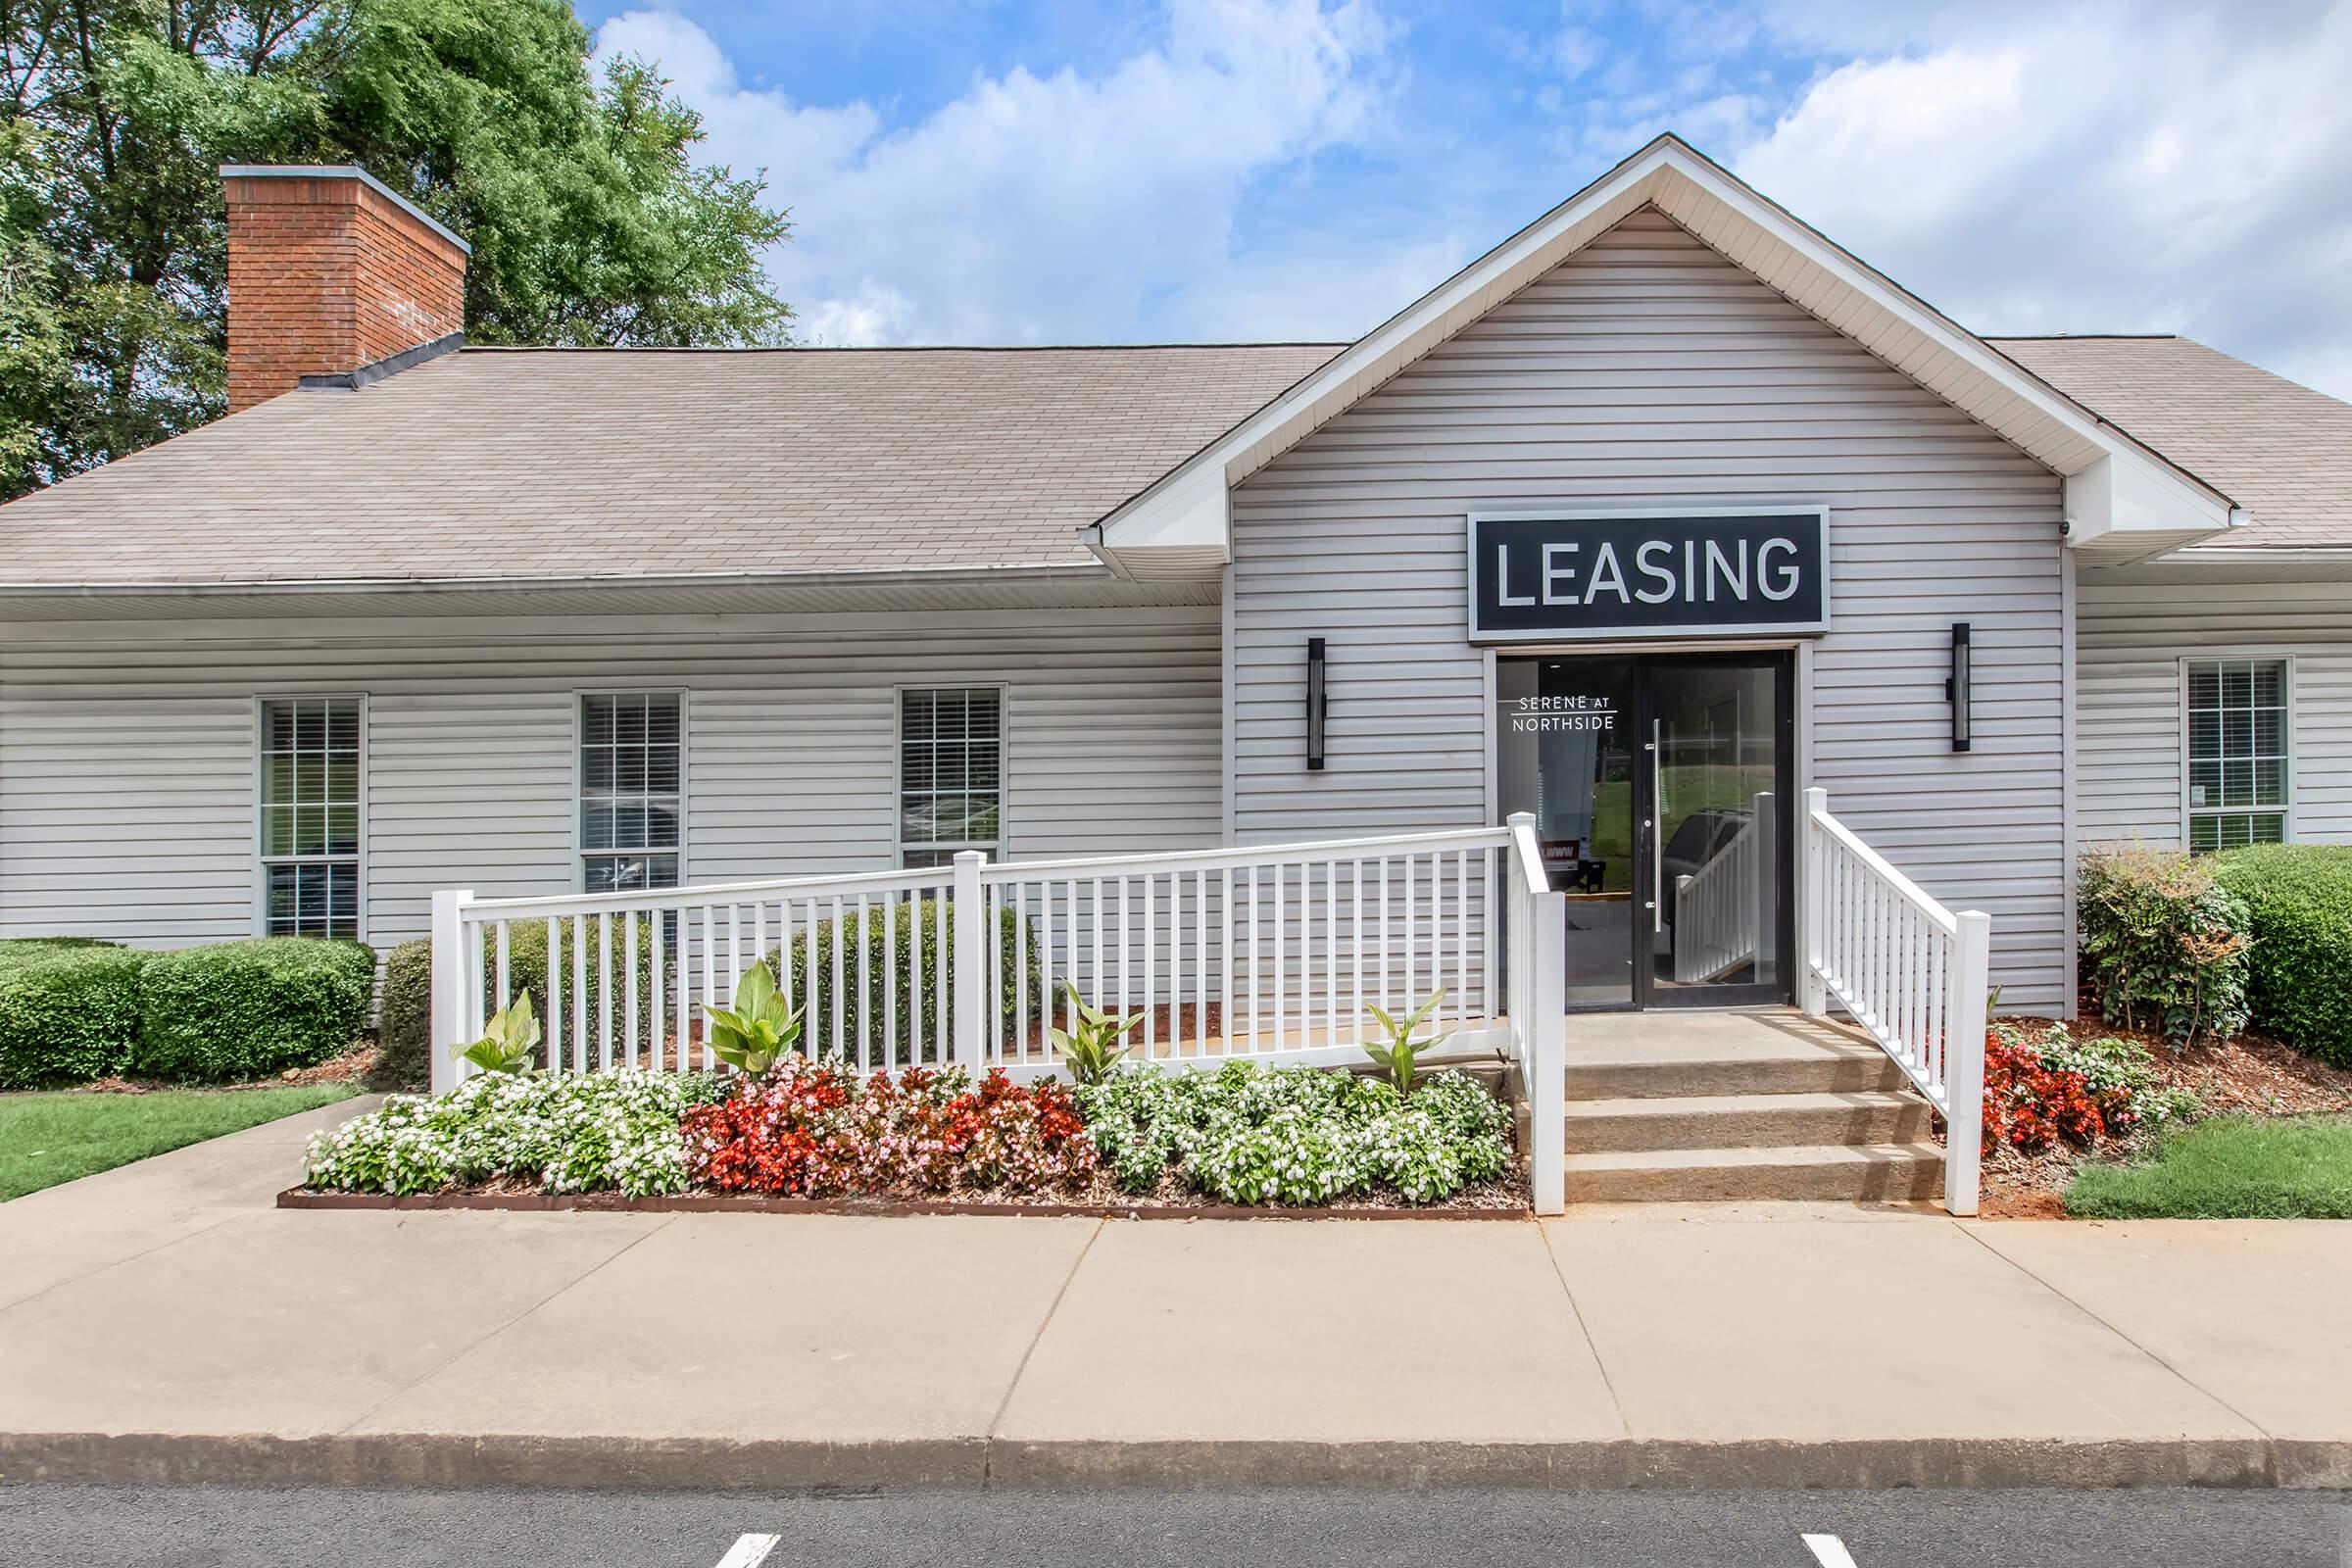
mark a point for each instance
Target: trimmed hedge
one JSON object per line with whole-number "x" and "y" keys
{"x": 930, "y": 920}
{"x": 248, "y": 1009}
{"x": 68, "y": 1010}
{"x": 403, "y": 1019}
{"x": 405, "y": 1024}
{"x": 2299, "y": 900}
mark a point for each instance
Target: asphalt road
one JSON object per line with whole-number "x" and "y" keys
{"x": 362, "y": 1528}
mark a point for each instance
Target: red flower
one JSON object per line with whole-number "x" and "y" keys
{"x": 803, "y": 1129}
{"x": 2031, "y": 1107}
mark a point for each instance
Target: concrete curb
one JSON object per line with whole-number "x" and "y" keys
{"x": 434, "y": 1459}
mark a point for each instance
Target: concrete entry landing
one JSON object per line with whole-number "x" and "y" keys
{"x": 1740, "y": 1104}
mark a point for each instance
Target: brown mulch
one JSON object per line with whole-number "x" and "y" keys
{"x": 2251, "y": 1075}
{"x": 354, "y": 1066}
{"x": 1171, "y": 1199}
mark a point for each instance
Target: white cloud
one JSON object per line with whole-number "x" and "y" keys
{"x": 2097, "y": 170}
{"x": 876, "y": 315}
{"x": 1274, "y": 168}
{"x": 1061, "y": 207}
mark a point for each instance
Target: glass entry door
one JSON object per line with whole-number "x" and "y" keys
{"x": 1660, "y": 784}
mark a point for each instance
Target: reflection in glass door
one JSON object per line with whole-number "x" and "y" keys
{"x": 1565, "y": 738}
{"x": 1717, "y": 763}
{"x": 1660, "y": 785}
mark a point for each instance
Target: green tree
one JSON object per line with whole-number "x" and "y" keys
{"x": 591, "y": 223}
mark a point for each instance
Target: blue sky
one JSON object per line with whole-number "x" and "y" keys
{"x": 1204, "y": 170}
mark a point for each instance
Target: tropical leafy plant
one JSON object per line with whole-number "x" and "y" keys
{"x": 1396, "y": 1057}
{"x": 513, "y": 1036}
{"x": 759, "y": 1028}
{"x": 1095, "y": 1045}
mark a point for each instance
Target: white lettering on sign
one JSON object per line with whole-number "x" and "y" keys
{"x": 1502, "y": 582}
{"x": 1719, "y": 564}
{"x": 1776, "y": 579}
{"x": 1556, "y": 574}
{"x": 1558, "y": 716}
{"x": 1606, "y": 578}
{"x": 1790, "y": 577}
{"x": 1652, "y": 569}
{"x": 1535, "y": 576}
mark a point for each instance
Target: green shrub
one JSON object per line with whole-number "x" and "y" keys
{"x": 2164, "y": 944}
{"x": 2298, "y": 897}
{"x": 885, "y": 965}
{"x": 68, "y": 1010}
{"x": 404, "y": 1018}
{"x": 405, "y": 1022}
{"x": 248, "y": 1009}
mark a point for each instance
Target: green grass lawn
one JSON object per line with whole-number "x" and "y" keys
{"x": 48, "y": 1139}
{"x": 2232, "y": 1167}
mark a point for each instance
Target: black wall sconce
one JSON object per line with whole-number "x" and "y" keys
{"x": 1955, "y": 686}
{"x": 1315, "y": 704}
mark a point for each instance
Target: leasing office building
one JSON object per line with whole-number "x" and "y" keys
{"x": 1662, "y": 510}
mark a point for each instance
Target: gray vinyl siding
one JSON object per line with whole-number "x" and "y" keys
{"x": 128, "y": 752}
{"x": 2131, "y": 639}
{"x": 1649, "y": 371}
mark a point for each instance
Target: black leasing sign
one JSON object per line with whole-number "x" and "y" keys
{"x": 1538, "y": 578}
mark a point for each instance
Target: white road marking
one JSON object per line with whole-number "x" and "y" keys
{"x": 1827, "y": 1550}
{"x": 750, "y": 1551}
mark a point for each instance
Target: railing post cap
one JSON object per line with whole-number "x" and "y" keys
{"x": 971, "y": 857}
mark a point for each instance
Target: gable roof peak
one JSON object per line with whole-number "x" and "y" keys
{"x": 2121, "y": 496}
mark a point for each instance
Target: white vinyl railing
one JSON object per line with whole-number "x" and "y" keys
{"x": 1537, "y": 966}
{"x": 1910, "y": 972}
{"x": 1273, "y": 953}
{"x": 1723, "y": 910}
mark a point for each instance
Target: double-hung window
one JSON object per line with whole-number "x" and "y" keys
{"x": 632, "y": 773}
{"x": 310, "y": 817}
{"x": 951, "y": 772}
{"x": 2241, "y": 770}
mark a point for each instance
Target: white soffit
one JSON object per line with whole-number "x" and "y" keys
{"x": 1181, "y": 525}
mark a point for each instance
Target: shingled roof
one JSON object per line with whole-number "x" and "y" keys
{"x": 539, "y": 464}
{"x": 2277, "y": 448}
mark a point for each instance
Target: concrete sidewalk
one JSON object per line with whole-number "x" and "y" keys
{"x": 163, "y": 1322}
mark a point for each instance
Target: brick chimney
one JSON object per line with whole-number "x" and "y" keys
{"x": 332, "y": 274}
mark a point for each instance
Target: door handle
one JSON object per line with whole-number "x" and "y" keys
{"x": 1657, "y": 828}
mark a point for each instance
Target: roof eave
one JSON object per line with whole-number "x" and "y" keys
{"x": 891, "y": 578}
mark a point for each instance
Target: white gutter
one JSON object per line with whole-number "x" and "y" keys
{"x": 908, "y": 576}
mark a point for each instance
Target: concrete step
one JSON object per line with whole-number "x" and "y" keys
{"x": 1872, "y": 1173}
{"x": 1792, "y": 1072}
{"x": 1746, "y": 1122}
{"x": 1758, "y": 1051}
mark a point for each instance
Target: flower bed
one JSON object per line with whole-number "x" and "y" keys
{"x": 812, "y": 1130}
{"x": 2057, "y": 1103}
{"x": 1140, "y": 1138}
{"x": 1297, "y": 1135}
{"x": 619, "y": 1131}
{"x": 2076, "y": 1090}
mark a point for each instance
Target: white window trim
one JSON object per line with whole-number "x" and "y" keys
{"x": 261, "y": 862}
{"x": 897, "y": 767}
{"x": 579, "y": 778}
{"x": 2294, "y": 769}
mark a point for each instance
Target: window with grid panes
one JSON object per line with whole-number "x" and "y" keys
{"x": 950, "y": 769}
{"x": 632, "y": 770}
{"x": 2240, "y": 767}
{"x": 311, "y": 817}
